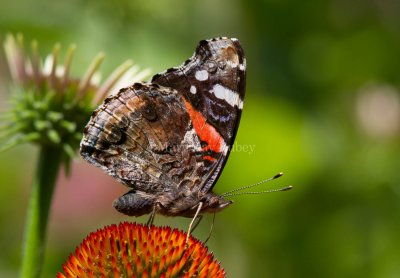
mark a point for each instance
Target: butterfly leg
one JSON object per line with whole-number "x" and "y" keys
{"x": 198, "y": 220}
{"x": 211, "y": 229}
{"x": 193, "y": 219}
{"x": 152, "y": 214}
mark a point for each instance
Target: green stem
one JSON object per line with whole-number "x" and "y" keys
{"x": 49, "y": 162}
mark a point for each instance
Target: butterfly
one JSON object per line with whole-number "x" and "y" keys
{"x": 168, "y": 140}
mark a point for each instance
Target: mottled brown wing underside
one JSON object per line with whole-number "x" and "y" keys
{"x": 136, "y": 137}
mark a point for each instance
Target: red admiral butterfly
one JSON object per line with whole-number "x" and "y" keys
{"x": 169, "y": 139}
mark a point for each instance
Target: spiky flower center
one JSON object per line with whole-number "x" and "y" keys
{"x": 133, "y": 250}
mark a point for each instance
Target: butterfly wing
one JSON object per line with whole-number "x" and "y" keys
{"x": 212, "y": 84}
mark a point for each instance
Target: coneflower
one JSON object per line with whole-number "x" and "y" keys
{"x": 134, "y": 250}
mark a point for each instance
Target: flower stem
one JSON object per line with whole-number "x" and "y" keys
{"x": 49, "y": 162}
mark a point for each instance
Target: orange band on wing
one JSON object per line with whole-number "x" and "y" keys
{"x": 209, "y": 158}
{"x": 206, "y": 132}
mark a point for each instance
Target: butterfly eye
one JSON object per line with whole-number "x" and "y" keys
{"x": 212, "y": 67}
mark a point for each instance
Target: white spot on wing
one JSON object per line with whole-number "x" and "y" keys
{"x": 226, "y": 149}
{"x": 201, "y": 75}
{"x": 240, "y": 104}
{"x": 231, "y": 63}
{"x": 193, "y": 89}
{"x": 191, "y": 140}
{"x": 219, "y": 91}
{"x": 231, "y": 97}
{"x": 243, "y": 65}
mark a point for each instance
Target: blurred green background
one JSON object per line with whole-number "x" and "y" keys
{"x": 322, "y": 105}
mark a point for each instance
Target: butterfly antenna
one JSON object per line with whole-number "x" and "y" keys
{"x": 239, "y": 191}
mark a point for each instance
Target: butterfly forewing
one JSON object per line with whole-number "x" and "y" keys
{"x": 212, "y": 84}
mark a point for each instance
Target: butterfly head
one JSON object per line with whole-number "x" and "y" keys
{"x": 214, "y": 203}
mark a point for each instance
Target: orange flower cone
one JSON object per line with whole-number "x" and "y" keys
{"x": 134, "y": 250}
